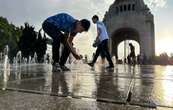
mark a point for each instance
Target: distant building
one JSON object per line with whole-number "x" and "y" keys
{"x": 130, "y": 20}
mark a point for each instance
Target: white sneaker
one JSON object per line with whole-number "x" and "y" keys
{"x": 56, "y": 68}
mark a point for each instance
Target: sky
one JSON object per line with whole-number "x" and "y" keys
{"x": 36, "y": 11}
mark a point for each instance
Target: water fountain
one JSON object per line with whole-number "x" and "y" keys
{"x": 17, "y": 64}
{"x": 35, "y": 58}
{"x": 19, "y": 57}
{"x": 45, "y": 59}
{"x": 48, "y": 60}
{"x": 6, "y": 68}
{"x": 24, "y": 60}
{"x": 14, "y": 60}
{"x": 1, "y": 56}
{"x": 29, "y": 60}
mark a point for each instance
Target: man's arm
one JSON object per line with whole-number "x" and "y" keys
{"x": 69, "y": 43}
{"x": 98, "y": 32}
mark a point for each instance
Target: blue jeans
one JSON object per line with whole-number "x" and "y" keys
{"x": 58, "y": 38}
{"x": 103, "y": 48}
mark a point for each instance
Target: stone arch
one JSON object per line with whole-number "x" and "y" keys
{"x": 122, "y": 34}
{"x": 124, "y": 49}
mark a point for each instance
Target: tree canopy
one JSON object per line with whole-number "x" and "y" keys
{"x": 24, "y": 39}
{"x": 9, "y": 35}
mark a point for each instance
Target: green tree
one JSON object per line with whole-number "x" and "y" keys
{"x": 27, "y": 41}
{"x": 30, "y": 43}
{"x": 23, "y": 38}
{"x": 9, "y": 35}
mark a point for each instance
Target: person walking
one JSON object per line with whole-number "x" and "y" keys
{"x": 132, "y": 55}
{"x": 102, "y": 47}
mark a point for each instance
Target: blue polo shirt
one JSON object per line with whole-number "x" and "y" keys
{"x": 63, "y": 21}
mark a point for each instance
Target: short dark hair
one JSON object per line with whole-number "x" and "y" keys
{"x": 95, "y": 17}
{"x": 85, "y": 24}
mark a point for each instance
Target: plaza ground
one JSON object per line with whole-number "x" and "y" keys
{"x": 36, "y": 87}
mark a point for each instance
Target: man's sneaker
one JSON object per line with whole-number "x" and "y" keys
{"x": 90, "y": 64}
{"x": 56, "y": 68}
{"x": 110, "y": 67}
{"x": 64, "y": 68}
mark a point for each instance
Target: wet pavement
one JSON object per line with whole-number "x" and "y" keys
{"x": 36, "y": 87}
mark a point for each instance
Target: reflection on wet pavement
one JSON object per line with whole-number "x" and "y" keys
{"x": 151, "y": 86}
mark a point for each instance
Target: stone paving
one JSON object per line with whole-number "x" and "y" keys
{"x": 36, "y": 87}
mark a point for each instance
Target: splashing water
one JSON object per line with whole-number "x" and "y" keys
{"x": 6, "y": 68}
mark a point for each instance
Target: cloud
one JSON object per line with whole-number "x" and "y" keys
{"x": 154, "y": 4}
{"x": 35, "y": 11}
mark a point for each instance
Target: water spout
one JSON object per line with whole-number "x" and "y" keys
{"x": 6, "y": 68}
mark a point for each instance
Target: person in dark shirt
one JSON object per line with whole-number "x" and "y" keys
{"x": 132, "y": 55}
{"x": 62, "y": 28}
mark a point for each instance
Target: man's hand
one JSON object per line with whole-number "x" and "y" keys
{"x": 78, "y": 57}
{"x": 81, "y": 56}
{"x": 72, "y": 49}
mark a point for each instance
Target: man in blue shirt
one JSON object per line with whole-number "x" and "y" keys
{"x": 62, "y": 28}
